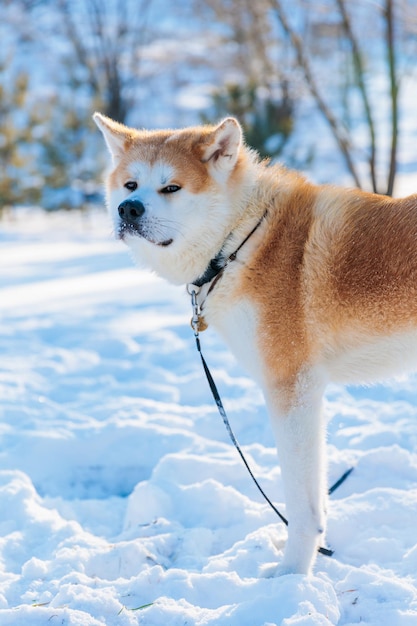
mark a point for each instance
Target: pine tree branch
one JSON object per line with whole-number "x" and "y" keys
{"x": 302, "y": 60}
{"x": 389, "y": 18}
{"x": 359, "y": 75}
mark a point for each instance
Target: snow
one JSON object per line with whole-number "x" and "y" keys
{"x": 122, "y": 501}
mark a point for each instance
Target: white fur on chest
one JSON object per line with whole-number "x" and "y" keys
{"x": 237, "y": 323}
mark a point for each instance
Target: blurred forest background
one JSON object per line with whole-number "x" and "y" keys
{"x": 328, "y": 86}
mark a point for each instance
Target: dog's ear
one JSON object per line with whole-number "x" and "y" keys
{"x": 116, "y": 135}
{"x": 223, "y": 150}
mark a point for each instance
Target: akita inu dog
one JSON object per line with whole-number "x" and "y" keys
{"x": 307, "y": 284}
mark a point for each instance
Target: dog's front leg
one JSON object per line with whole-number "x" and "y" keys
{"x": 299, "y": 431}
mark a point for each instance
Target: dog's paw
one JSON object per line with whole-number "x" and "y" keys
{"x": 272, "y": 570}
{"x": 285, "y": 570}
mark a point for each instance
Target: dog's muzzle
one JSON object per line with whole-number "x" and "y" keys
{"x": 130, "y": 212}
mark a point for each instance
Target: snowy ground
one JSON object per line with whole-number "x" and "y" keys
{"x": 121, "y": 499}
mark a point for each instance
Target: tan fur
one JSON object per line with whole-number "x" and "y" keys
{"x": 276, "y": 271}
{"x": 324, "y": 289}
{"x": 335, "y": 263}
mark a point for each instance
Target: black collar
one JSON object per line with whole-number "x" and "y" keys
{"x": 219, "y": 262}
{"x": 213, "y": 268}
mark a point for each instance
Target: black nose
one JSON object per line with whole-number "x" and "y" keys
{"x": 131, "y": 211}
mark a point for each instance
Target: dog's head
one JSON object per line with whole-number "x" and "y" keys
{"x": 175, "y": 195}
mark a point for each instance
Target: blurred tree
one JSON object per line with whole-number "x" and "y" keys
{"x": 17, "y": 181}
{"x": 66, "y": 153}
{"x": 85, "y": 55}
{"x": 267, "y": 120}
{"x": 371, "y": 54}
{"x": 328, "y": 49}
{"x": 260, "y": 96}
{"x": 46, "y": 156}
{"x": 248, "y": 38}
{"x": 106, "y": 41}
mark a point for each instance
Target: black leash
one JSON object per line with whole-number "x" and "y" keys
{"x": 340, "y": 481}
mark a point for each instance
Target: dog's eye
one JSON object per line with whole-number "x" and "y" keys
{"x": 131, "y": 185}
{"x": 170, "y": 189}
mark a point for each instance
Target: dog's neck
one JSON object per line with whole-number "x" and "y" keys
{"x": 219, "y": 262}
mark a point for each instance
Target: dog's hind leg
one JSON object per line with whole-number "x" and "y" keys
{"x": 300, "y": 437}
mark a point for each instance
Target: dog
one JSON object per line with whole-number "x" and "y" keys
{"x": 307, "y": 284}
